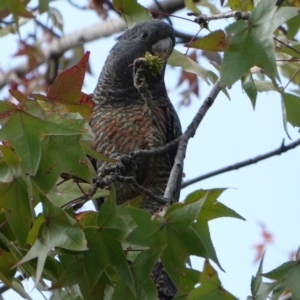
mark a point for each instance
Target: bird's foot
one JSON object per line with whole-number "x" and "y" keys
{"x": 139, "y": 73}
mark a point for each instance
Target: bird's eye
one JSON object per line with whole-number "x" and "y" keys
{"x": 144, "y": 34}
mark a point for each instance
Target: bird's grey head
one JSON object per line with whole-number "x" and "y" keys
{"x": 155, "y": 36}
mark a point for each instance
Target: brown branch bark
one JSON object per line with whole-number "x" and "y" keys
{"x": 94, "y": 32}
{"x": 183, "y": 141}
{"x": 244, "y": 163}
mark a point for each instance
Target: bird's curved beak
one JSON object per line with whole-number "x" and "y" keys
{"x": 163, "y": 48}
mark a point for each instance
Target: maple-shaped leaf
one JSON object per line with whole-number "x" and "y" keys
{"x": 16, "y": 204}
{"x": 251, "y": 42}
{"x": 214, "y": 42}
{"x": 292, "y": 108}
{"x": 177, "y": 59}
{"x": 210, "y": 286}
{"x": 260, "y": 290}
{"x": 58, "y": 230}
{"x": 104, "y": 243}
{"x": 132, "y": 12}
{"x": 32, "y": 52}
{"x": 61, "y": 154}
{"x": 173, "y": 231}
{"x": 66, "y": 89}
{"x": 25, "y": 131}
{"x": 211, "y": 209}
{"x": 289, "y": 275}
{"x": 17, "y": 8}
{"x": 182, "y": 240}
{"x": 99, "y": 7}
{"x": 7, "y": 109}
{"x": 9, "y": 163}
{"x": 238, "y": 5}
{"x": 250, "y": 87}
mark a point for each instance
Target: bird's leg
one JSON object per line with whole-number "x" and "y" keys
{"x": 122, "y": 167}
{"x": 140, "y": 82}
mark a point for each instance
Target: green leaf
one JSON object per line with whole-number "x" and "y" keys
{"x": 11, "y": 164}
{"x": 212, "y": 209}
{"x": 264, "y": 86}
{"x": 189, "y": 280}
{"x": 62, "y": 154}
{"x": 56, "y": 17}
{"x": 17, "y": 8}
{"x": 141, "y": 269}
{"x": 15, "y": 201}
{"x": 100, "y": 157}
{"x": 293, "y": 27}
{"x": 292, "y": 106}
{"x": 260, "y": 290}
{"x": 58, "y": 230}
{"x": 16, "y": 286}
{"x": 177, "y": 59}
{"x": 43, "y": 6}
{"x": 23, "y": 131}
{"x": 87, "y": 218}
{"x": 34, "y": 231}
{"x": 210, "y": 287}
{"x": 238, "y": 5}
{"x": 250, "y": 88}
{"x": 190, "y": 5}
{"x": 132, "y": 12}
{"x": 293, "y": 50}
{"x": 72, "y": 272}
{"x": 251, "y": 43}
{"x": 181, "y": 238}
{"x": 122, "y": 290}
{"x": 7, "y": 261}
{"x": 147, "y": 232}
{"x": 7, "y": 109}
{"x": 104, "y": 243}
{"x": 289, "y": 273}
{"x": 214, "y": 42}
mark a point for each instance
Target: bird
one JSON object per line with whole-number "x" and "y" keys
{"x": 133, "y": 112}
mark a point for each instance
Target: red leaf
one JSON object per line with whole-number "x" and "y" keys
{"x": 31, "y": 52}
{"x": 268, "y": 237}
{"x": 192, "y": 82}
{"x": 66, "y": 88}
{"x": 86, "y": 99}
{"x": 259, "y": 252}
{"x": 98, "y": 6}
{"x": 18, "y": 95}
{"x": 67, "y": 85}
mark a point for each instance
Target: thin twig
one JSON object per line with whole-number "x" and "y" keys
{"x": 239, "y": 15}
{"x": 45, "y": 28}
{"x": 183, "y": 141}
{"x": 244, "y": 163}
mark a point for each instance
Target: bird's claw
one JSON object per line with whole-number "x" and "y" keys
{"x": 139, "y": 73}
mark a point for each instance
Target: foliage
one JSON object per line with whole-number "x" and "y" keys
{"x": 45, "y": 143}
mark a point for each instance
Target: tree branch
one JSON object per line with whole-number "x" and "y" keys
{"x": 244, "y": 163}
{"x": 204, "y": 19}
{"x": 183, "y": 141}
{"x": 97, "y": 31}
